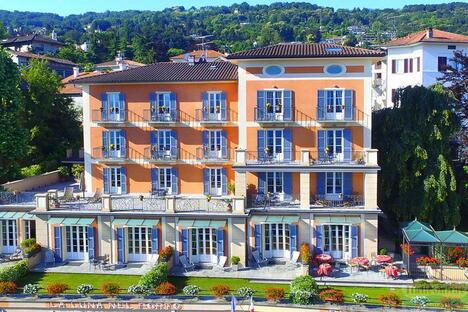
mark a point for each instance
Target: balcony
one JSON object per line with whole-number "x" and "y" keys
{"x": 109, "y": 118}
{"x": 273, "y": 200}
{"x": 269, "y": 117}
{"x": 324, "y": 157}
{"x": 206, "y": 155}
{"x": 216, "y": 205}
{"x": 110, "y": 155}
{"x": 156, "y": 117}
{"x": 345, "y": 117}
{"x": 265, "y": 157}
{"x": 156, "y": 155}
{"x": 216, "y": 118}
{"x": 342, "y": 201}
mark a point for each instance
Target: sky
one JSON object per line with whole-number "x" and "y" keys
{"x": 67, "y": 7}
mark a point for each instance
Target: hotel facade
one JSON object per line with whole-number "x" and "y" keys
{"x": 263, "y": 152}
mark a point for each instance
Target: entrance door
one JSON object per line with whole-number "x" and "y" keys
{"x": 9, "y": 235}
{"x": 203, "y": 242}
{"x": 337, "y": 241}
{"x": 115, "y": 144}
{"x": 335, "y": 104}
{"x": 115, "y": 180}
{"x": 77, "y": 242}
{"x": 139, "y": 244}
{"x": 216, "y": 182}
{"x": 277, "y": 240}
{"x": 214, "y": 106}
{"x": 113, "y": 100}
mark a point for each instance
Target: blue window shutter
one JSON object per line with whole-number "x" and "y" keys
{"x": 288, "y": 107}
{"x": 258, "y": 238}
{"x": 91, "y": 243}
{"x": 261, "y": 144}
{"x": 261, "y": 182}
{"x": 260, "y": 105}
{"x": 321, "y": 105}
{"x": 175, "y": 181}
{"x": 320, "y": 183}
{"x": 153, "y": 107}
{"x": 206, "y": 181}
{"x": 154, "y": 137}
{"x": 349, "y": 104}
{"x": 122, "y": 106}
{"x": 173, "y": 134}
{"x": 224, "y": 181}
{"x": 220, "y": 238}
{"x": 106, "y": 176}
{"x": 287, "y": 185}
{"x": 224, "y": 149}
{"x": 58, "y": 243}
{"x": 223, "y": 106}
{"x": 205, "y": 143}
{"x": 293, "y": 237}
{"x": 105, "y": 144}
{"x": 154, "y": 179}
{"x": 154, "y": 240}
{"x": 318, "y": 239}
{"x": 354, "y": 241}
{"x": 287, "y": 148}
{"x": 173, "y": 105}
{"x": 321, "y": 145}
{"x": 104, "y": 106}
{"x": 347, "y": 183}
{"x": 205, "y": 111}
{"x": 120, "y": 245}
{"x": 185, "y": 242}
{"x": 347, "y": 145}
{"x": 123, "y": 180}
{"x": 123, "y": 143}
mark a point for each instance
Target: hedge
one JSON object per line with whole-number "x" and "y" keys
{"x": 15, "y": 272}
{"x": 155, "y": 276}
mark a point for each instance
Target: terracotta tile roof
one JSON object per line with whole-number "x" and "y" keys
{"x": 39, "y": 56}
{"x": 114, "y": 63}
{"x": 421, "y": 36}
{"x": 168, "y": 72}
{"x": 29, "y": 38}
{"x": 305, "y": 50}
{"x": 71, "y": 88}
{"x": 198, "y": 53}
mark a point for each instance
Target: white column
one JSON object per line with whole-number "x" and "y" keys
{"x": 242, "y": 108}
{"x": 87, "y": 140}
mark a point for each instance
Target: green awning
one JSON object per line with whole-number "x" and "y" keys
{"x": 274, "y": 219}
{"x": 15, "y": 215}
{"x": 71, "y": 221}
{"x": 338, "y": 219}
{"x": 150, "y": 222}
{"x": 136, "y": 222}
{"x": 85, "y": 221}
{"x": 9, "y": 215}
{"x": 201, "y": 223}
{"x": 55, "y": 220}
{"x": 421, "y": 236}
{"x": 29, "y": 216}
{"x": 452, "y": 237}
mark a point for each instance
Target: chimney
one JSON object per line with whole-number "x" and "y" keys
{"x": 191, "y": 60}
{"x": 76, "y": 72}
{"x": 429, "y": 33}
{"x": 53, "y": 35}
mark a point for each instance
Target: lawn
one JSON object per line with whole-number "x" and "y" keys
{"x": 73, "y": 280}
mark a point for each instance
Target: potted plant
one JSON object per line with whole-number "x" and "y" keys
{"x": 305, "y": 253}
{"x": 231, "y": 188}
{"x": 111, "y": 147}
{"x": 218, "y": 109}
{"x": 235, "y": 263}
{"x": 208, "y": 197}
{"x": 268, "y": 105}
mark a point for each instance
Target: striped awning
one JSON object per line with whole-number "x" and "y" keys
{"x": 71, "y": 221}
{"x": 136, "y": 222}
{"x": 338, "y": 219}
{"x": 202, "y": 223}
{"x": 15, "y": 215}
{"x": 275, "y": 219}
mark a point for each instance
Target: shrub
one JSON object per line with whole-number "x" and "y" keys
{"x": 57, "y": 288}
{"x": 139, "y": 290}
{"x": 455, "y": 253}
{"x": 31, "y": 289}
{"x": 166, "y": 253}
{"x": 220, "y": 290}
{"x": 332, "y": 295}
{"x": 420, "y": 301}
{"x": 382, "y": 251}
{"x": 390, "y": 299}
{"x": 407, "y": 249}
{"x": 155, "y": 276}
{"x": 359, "y": 298}
{"x": 110, "y": 289}
{"x": 15, "y": 272}
{"x": 166, "y": 288}
{"x": 245, "y": 292}
{"x": 274, "y": 294}
{"x": 63, "y": 172}
{"x": 425, "y": 260}
{"x": 191, "y": 290}
{"x": 30, "y": 246}
{"x": 235, "y": 260}
{"x": 305, "y": 253}
{"x": 84, "y": 289}
{"x": 422, "y": 284}
{"x": 77, "y": 170}
{"x": 7, "y": 288}
{"x": 462, "y": 262}
{"x": 304, "y": 283}
{"x": 31, "y": 171}
{"x": 451, "y": 303}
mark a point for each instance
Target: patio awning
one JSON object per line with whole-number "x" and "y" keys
{"x": 202, "y": 223}
{"x": 452, "y": 237}
{"x": 136, "y": 222}
{"x": 71, "y": 221}
{"x": 15, "y": 215}
{"x": 274, "y": 219}
{"x": 338, "y": 219}
{"x": 418, "y": 232}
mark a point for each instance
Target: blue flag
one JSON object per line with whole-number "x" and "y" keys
{"x": 233, "y": 304}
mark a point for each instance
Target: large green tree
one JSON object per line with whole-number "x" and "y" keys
{"x": 13, "y": 137}
{"x": 52, "y": 121}
{"x": 417, "y": 178}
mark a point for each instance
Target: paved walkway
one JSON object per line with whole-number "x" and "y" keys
{"x": 86, "y": 268}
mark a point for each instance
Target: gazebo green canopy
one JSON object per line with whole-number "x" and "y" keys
{"x": 452, "y": 237}
{"x": 419, "y": 232}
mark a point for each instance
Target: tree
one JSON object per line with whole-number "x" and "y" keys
{"x": 174, "y": 51}
{"x": 417, "y": 177}
{"x": 3, "y": 31}
{"x": 69, "y": 52}
{"x": 52, "y": 121}
{"x": 13, "y": 136}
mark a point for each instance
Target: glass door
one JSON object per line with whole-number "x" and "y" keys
{"x": 334, "y": 146}
{"x": 216, "y": 182}
{"x": 115, "y": 181}
{"x": 113, "y": 100}
{"x": 334, "y": 185}
{"x": 139, "y": 244}
{"x": 277, "y": 240}
{"x": 274, "y": 181}
{"x": 164, "y": 144}
{"x": 10, "y": 236}
{"x": 203, "y": 243}
{"x": 77, "y": 242}
{"x": 335, "y": 104}
{"x": 214, "y": 106}
{"x": 214, "y": 141}
{"x": 115, "y": 144}
{"x": 274, "y": 145}
{"x": 165, "y": 180}
{"x": 337, "y": 241}
{"x": 163, "y": 101}
{"x": 274, "y": 105}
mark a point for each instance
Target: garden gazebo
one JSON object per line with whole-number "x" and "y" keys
{"x": 434, "y": 254}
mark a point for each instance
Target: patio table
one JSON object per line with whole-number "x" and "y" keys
{"x": 323, "y": 258}
{"x": 360, "y": 261}
{"x": 324, "y": 269}
{"x": 391, "y": 271}
{"x": 383, "y": 259}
